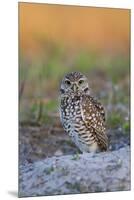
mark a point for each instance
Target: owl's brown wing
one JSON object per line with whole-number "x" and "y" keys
{"x": 93, "y": 116}
{"x": 99, "y": 107}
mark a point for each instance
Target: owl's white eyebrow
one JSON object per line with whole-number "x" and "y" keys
{"x": 81, "y": 79}
{"x": 67, "y": 79}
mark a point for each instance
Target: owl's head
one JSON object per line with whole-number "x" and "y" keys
{"x": 74, "y": 83}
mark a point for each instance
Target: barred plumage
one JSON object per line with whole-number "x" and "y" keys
{"x": 82, "y": 117}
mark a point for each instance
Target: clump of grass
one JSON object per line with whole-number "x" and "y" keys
{"x": 76, "y": 156}
{"x": 38, "y": 112}
{"x": 49, "y": 170}
{"x": 115, "y": 120}
{"x": 73, "y": 186}
{"x": 126, "y": 126}
{"x": 117, "y": 68}
{"x": 51, "y": 105}
{"x": 120, "y": 95}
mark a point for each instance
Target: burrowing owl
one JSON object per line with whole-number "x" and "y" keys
{"x": 82, "y": 117}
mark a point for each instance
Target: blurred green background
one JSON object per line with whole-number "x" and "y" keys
{"x": 54, "y": 40}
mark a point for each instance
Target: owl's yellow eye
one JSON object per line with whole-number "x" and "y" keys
{"x": 67, "y": 82}
{"x": 81, "y": 82}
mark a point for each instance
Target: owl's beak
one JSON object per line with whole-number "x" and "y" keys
{"x": 75, "y": 88}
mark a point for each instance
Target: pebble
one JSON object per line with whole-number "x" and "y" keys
{"x": 58, "y": 153}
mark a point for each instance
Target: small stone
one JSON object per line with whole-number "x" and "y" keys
{"x": 58, "y": 153}
{"x": 78, "y": 178}
{"x": 119, "y": 129}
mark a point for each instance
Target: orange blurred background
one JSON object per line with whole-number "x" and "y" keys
{"x": 103, "y": 29}
{"x": 57, "y": 39}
